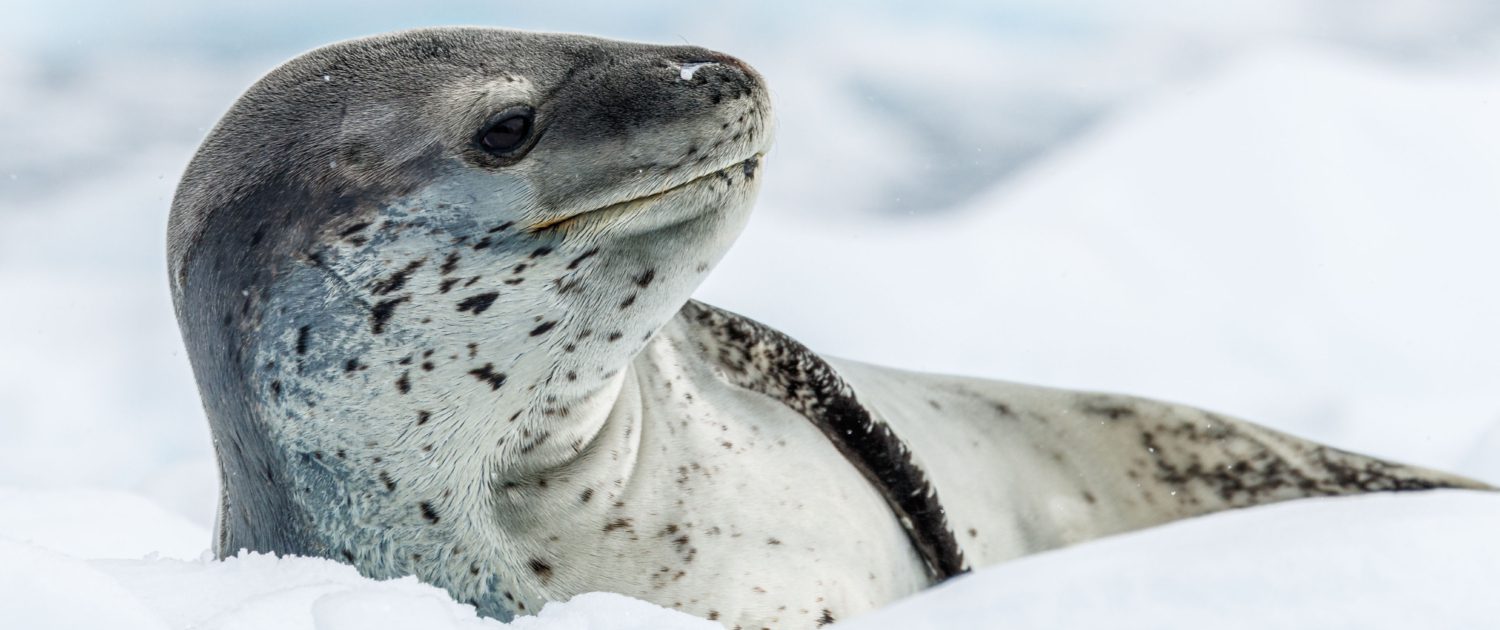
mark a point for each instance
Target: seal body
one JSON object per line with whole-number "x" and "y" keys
{"x": 435, "y": 290}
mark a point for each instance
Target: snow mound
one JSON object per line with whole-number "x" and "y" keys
{"x": 1428, "y": 560}
{"x": 43, "y": 590}
{"x": 1425, "y": 560}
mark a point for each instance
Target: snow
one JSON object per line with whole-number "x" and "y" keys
{"x": 1283, "y": 211}
{"x": 1420, "y": 561}
{"x": 41, "y": 589}
{"x": 73, "y": 522}
{"x": 1423, "y": 560}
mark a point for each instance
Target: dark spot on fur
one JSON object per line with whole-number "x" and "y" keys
{"x": 544, "y": 327}
{"x": 449, "y": 264}
{"x": 627, "y": 302}
{"x": 644, "y": 280}
{"x": 615, "y": 336}
{"x": 348, "y": 555}
{"x": 447, "y": 285}
{"x": 541, "y": 569}
{"x": 619, "y": 523}
{"x": 489, "y": 375}
{"x": 302, "y": 338}
{"x": 1112, "y": 412}
{"x": 582, "y": 257}
{"x": 428, "y": 512}
{"x": 588, "y": 493}
{"x": 483, "y": 243}
{"x": 826, "y": 619}
{"x": 398, "y": 278}
{"x": 478, "y": 303}
{"x": 541, "y": 251}
{"x": 354, "y": 229}
{"x": 540, "y": 440}
{"x": 423, "y": 417}
{"x": 403, "y": 384}
{"x": 382, "y": 312}
{"x": 385, "y": 478}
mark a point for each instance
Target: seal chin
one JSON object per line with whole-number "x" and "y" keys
{"x": 747, "y": 166}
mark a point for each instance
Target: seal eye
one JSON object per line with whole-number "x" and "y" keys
{"x": 507, "y": 132}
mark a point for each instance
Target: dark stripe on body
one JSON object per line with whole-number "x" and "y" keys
{"x": 764, "y": 360}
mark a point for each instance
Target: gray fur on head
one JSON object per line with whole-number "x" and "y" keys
{"x": 386, "y": 112}
{"x": 348, "y": 262}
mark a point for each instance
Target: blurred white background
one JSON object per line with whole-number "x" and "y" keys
{"x": 1284, "y": 210}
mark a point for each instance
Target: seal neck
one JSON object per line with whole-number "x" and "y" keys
{"x": 414, "y": 363}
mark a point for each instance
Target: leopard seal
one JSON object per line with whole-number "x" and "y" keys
{"x": 435, "y": 289}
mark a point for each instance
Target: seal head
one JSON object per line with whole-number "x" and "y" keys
{"x": 469, "y": 230}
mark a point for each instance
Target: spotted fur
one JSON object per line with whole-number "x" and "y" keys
{"x": 766, "y": 361}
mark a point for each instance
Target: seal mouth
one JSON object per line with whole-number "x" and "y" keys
{"x": 748, "y": 165}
